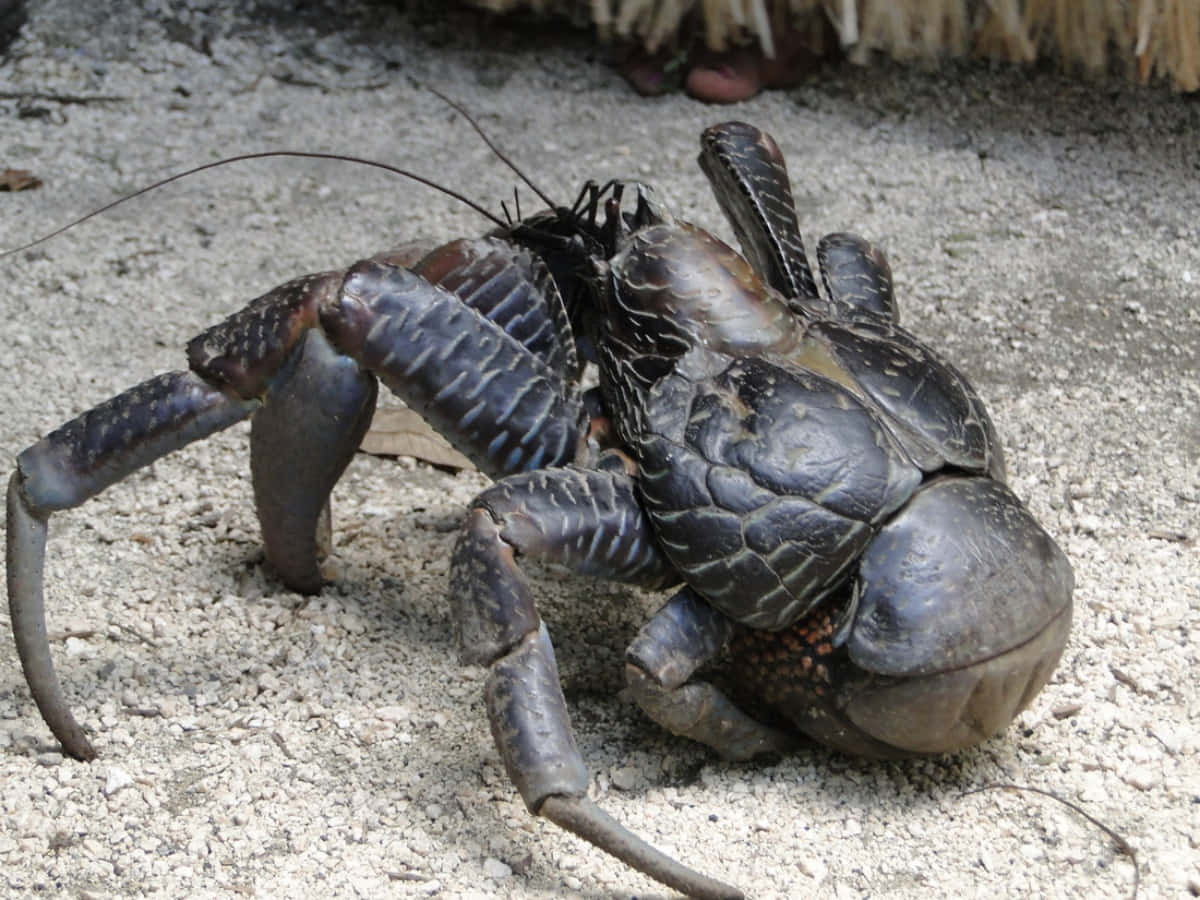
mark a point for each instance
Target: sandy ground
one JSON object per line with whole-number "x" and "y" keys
{"x": 253, "y": 742}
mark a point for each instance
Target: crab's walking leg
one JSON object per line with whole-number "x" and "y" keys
{"x": 300, "y": 443}
{"x": 590, "y": 521}
{"x": 475, "y": 319}
{"x": 857, "y": 279}
{"x": 749, "y": 179}
{"x": 316, "y": 405}
{"x": 237, "y": 366}
{"x": 493, "y": 393}
{"x": 684, "y": 635}
{"x": 497, "y": 402}
{"x": 74, "y": 463}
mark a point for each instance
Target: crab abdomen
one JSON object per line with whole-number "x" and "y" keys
{"x": 958, "y": 616}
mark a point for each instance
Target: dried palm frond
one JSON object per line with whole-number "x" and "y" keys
{"x": 1153, "y": 38}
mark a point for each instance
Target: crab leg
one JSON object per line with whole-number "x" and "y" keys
{"x": 684, "y": 635}
{"x": 857, "y": 279}
{"x": 467, "y": 310}
{"x": 749, "y": 179}
{"x": 74, "y": 463}
{"x": 590, "y": 521}
{"x": 300, "y": 443}
{"x": 470, "y": 324}
{"x": 482, "y": 377}
{"x": 496, "y": 401}
{"x": 237, "y": 366}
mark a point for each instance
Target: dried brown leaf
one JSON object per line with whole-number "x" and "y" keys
{"x": 401, "y": 432}
{"x": 18, "y": 180}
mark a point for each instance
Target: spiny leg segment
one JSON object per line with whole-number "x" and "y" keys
{"x": 312, "y": 346}
{"x": 590, "y": 521}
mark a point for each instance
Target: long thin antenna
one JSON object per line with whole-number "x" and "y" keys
{"x": 267, "y": 154}
{"x": 491, "y": 144}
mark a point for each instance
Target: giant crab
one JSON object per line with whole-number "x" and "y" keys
{"x": 824, "y": 495}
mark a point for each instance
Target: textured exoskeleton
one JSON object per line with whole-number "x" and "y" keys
{"x": 824, "y": 495}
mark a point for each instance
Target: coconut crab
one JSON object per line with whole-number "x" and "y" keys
{"x": 824, "y": 494}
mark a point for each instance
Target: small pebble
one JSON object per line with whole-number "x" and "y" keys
{"x": 625, "y": 778}
{"x": 494, "y": 868}
{"x": 1066, "y": 710}
{"x": 79, "y": 647}
{"x": 1142, "y": 779}
{"x": 393, "y": 713}
{"x": 813, "y": 868}
{"x": 117, "y": 780}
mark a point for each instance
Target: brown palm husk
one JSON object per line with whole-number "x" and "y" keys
{"x": 1150, "y": 39}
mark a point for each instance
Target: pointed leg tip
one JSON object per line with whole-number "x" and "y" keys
{"x": 83, "y": 752}
{"x": 585, "y": 819}
{"x": 70, "y": 734}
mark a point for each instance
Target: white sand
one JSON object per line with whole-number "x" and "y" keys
{"x": 1043, "y": 234}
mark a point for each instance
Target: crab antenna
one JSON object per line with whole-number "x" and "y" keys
{"x": 492, "y": 146}
{"x": 588, "y": 190}
{"x": 267, "y": 154}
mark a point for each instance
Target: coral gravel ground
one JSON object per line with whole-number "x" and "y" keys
{"x": 1043, "y": 233}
